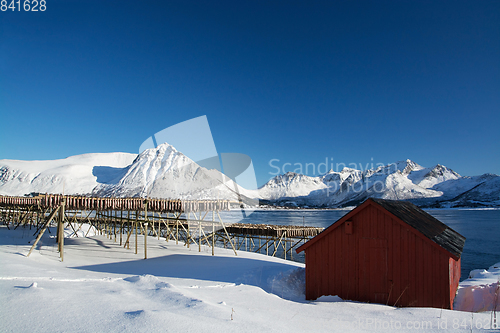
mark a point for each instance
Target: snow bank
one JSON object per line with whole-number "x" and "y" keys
{"x": 480, "y": 292}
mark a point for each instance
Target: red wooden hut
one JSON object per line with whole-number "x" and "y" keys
{"x": 388, "y": 252}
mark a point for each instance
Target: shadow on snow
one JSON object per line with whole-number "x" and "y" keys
{"x": 281, "y": 279}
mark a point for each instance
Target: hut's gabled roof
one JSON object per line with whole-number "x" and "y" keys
{"x": 426, "y": 224}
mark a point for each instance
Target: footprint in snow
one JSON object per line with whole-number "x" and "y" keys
{"x": 134, "y": 314}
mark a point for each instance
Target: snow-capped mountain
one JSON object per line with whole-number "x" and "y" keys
{"x": 73, "y": 175}
{"x": 164, "y": 172}
{"x": 290, "y": 184}
{"x": 161, "y": 172}
{"x": 404, "y": 180}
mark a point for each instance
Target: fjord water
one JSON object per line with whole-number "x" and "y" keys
{"x": 481, "y": 227}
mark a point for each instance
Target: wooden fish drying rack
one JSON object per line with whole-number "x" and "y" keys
{"x": 194, "y": 222}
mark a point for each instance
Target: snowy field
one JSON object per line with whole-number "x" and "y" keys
{"x": 102, "y": 287}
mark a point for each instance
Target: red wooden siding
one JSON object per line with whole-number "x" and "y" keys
{"x": 454, "y": 267}
{"x": 380, "y": 259}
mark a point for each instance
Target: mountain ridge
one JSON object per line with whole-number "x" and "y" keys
{"x": 438, "y": 186}
{"x": 164, "y": 172}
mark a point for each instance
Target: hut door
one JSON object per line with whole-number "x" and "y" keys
{"x": 373, "y": 282}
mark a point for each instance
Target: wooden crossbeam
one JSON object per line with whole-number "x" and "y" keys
{"x": 49, "y": 219}
{"x": 276, "y": 246}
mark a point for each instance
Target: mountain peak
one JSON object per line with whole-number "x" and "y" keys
{"x": 408, "y": 166}
{"x": 347, "y": 169}
{"x": 440, "y": 170}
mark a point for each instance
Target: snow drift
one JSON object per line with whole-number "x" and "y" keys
{"x": 480, "y": 292}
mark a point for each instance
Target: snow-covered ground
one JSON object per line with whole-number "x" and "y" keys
{"x": 102, "y": 287}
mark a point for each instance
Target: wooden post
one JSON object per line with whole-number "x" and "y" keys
{"x": 8, "y": 219}
{"x": 121, "y": 226}
{"x": 136, "y": 221}
{"x": 60, "y": 227}
{"x": 199, "y": 238}
{"x": 146, "y": 240}
{"x": 213, "y": 233}
{"x": 98, "y": 222}
{"x": 159, "y": 225}
{"x": 169, "y": 231}
{"x": 177, "y": 230}
{"x": 284, "y": 246}
{"x": 187, "y": 233}
{"x": 146, "y": 229}
{"x": 129, "y": 229}
{"x": 213, "y": 238}
{"x": 57, "y": 230}
{"x": 110, "y": 219}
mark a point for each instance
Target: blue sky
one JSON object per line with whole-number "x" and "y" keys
{"x": 295, "y": 81}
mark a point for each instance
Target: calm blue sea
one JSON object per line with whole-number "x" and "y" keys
{"x": 480, "y": 227}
